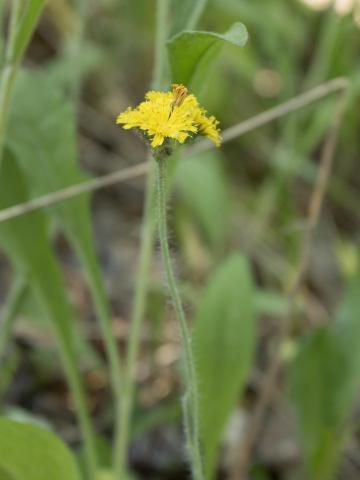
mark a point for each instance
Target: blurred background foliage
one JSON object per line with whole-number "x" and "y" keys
{"x": 89, "y": 60}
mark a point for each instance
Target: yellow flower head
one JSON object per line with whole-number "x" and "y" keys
{"x": 170, "y": 115}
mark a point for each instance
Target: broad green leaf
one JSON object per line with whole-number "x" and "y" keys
{"x": 346, "y": 331}
{"x": 210, "y": 205}
{"x": 25, "y": 240}
{"x": 314, "y": 376}
{"x": 324, "y": 383}
{"x": 29, "y": 452}
{"x": 26, "y": 26}
{"x": 223, "y": 342}
{"x": 47, "y": 155}
{"x": 191, "y": 52}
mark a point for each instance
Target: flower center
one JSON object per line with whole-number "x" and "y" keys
{"x": 179, "y": 94}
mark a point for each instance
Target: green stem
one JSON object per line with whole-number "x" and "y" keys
{"x": 17, "y": 293}
{"x": 190, "y": 401}
{"x": 9, "y": 72}
{"x": 69, "y": 363}
{"x": 2, "y": 36}
{"x": 73, "y": 47}
{"x": 195, "y": 14}
{"x": 93, "y": 276}
{"x": 125, "y": 407}
{"x": 47, "y": 295}
{"x": 159, "y": 74}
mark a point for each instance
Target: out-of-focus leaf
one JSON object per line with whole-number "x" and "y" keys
{"x": 205, "y": 193}
{"x": 192, "y": 52}
{"x": 47, "y": 155}
{"x": 315, "y": 375}
{"x": 29, "y": 452}
{"x": 271, "y": 303}
{"x": 5, "y": 475}
{"x": 223, "y": 342}
{"x": 347, "y": 335}
{"x": 26, "y": 26}
{"x": 324, "y": 381}
{"x": 25, "y": 240}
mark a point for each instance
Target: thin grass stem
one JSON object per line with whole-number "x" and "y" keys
{"x": 16, "y": 296}
{"x": 9, "y": 71}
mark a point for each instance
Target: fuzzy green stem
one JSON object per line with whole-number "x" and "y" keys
{"x": 190, "y": 401}
{"x": 125, "y": 407}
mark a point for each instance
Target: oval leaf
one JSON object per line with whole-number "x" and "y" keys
{"x": 191, "y": 52}
{"x": 223, "y": 342}
{"x": 324, "y": 383}
{"x": 29, "y": 452}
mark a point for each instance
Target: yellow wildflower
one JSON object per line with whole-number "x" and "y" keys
{"x": 170, "y": 115}
{"x": 208, "y": 126}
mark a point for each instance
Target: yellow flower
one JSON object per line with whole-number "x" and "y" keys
{"x": 174, "y": 115}
{"x": 208, "y": 126}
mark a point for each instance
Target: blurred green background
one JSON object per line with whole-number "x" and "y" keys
{"x": 251, "y": 196}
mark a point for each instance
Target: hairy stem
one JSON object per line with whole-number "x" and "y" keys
{"x": 190, "y": 401}
{"x": 125, "y": 407}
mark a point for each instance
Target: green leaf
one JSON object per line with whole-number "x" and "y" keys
{"x": 271, "y": 303}
{"x": 47, "y": 155}
{"x": 223, "y": 341}
{"x": 324, "y": 382}
{"x": 314, "y": 375}
{"x": 25, "y": 240}
{"x": 210, "y": 205}
{"x": 26, "y": 26}
{"x": 192, "y": 52}
{"x": 28, "y": 452}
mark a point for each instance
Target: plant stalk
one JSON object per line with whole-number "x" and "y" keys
{"x": 9, "y": 72}
{"x": 190, "y": 400}
{"x": 69, "y": 363}
{"x": 125, "y": 407}
{"x": 127, "y": 403}
{"x": 193, "y": 19}
{"x": 17, "y": 294}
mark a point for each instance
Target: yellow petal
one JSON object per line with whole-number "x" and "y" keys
{"x": 157, "y": 140}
